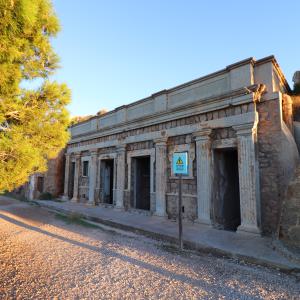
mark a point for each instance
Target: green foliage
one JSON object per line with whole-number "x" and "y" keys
{"x": 33, "y": 123}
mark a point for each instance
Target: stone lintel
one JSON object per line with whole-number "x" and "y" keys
{"x": 224, "y": 143}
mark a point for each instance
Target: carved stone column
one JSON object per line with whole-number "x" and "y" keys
{"x": 92, "y": 177}
{"x": 121, "y": 152}
{"x": 204, "y": 176}
{"x": 76, "y": 178}
{"x": 67, "y": 176}
{"x": 160, "y": 176}
{"x": 248, "y": 178}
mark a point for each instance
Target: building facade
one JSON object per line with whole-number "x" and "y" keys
{"x": 236, "y": 126}
{"x": 47, "y": 184}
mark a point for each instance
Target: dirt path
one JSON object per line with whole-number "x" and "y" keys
{"x": 43, "y": 257}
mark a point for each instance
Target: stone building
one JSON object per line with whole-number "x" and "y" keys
{"x": 236, "y": 126}
{"x": 48, "y": 183}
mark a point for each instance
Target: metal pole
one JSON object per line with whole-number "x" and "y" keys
{"x": 180, "y": 213}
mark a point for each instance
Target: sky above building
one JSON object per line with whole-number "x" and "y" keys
{"x": 120, "y": 51}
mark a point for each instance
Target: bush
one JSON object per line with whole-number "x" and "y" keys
{"x": 46, "y": 196}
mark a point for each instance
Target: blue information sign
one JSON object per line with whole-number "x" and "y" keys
{"x": 180, "y": 163}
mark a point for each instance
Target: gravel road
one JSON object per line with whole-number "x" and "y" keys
{"x": 44, "y": 257}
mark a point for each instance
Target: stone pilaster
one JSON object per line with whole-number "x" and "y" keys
{"x": 76, "y": 177}
{"x": 67, "y": 176}
{"x": 160, "y": 176}
{"x": 92, "y": 177}
{"x": 204, "y": 176}
{"x": 121, "y": 154}
{"x": 32, "y": 187}
{"x": 248, "y": 178}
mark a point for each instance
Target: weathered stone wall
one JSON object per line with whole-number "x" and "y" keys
{"x": 296, "y": 107}
{"x": 290, "y": 218}
{"x": 287, "y": 111}
{"x": 189, "y": 186}
{"x": 278, "y": 156}
{"x": 54, "y": 177}
{"x": 189, "y": 203}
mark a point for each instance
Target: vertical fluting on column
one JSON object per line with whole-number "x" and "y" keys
{"x": 160, "y": 176}
{"x": 204, "y": 175}
{"x": 92, "y": 177}
{"x": 76, "y": 178}
{"x": 121, "y": 153}
{"x": 248, "y": 178}
{"x": 67, "y": 176}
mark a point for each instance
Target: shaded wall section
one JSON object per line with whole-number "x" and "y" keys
{"x": 278, "y": 157}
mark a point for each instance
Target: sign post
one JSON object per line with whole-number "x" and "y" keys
{"x": 180, "y": 167}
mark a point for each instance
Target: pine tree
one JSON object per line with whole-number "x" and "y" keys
{"x": 33, "y": 122}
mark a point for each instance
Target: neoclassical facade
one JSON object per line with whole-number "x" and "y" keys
{"x": 236, "y": 126}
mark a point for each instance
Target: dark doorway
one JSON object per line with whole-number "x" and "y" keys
{"x": 40, "y": 184}
{"x": 226, "y": 204}
{"x": 107, "y": 180}
{"x": 71, "y": 180}
{"x": 142, "y": 182}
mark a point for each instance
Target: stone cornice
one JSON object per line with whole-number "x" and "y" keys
{"x": 233, "y": 98}
{"x": 250, "y": 117}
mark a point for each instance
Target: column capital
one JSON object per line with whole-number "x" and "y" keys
{"x": 202, "y": 134}
{"x": 77, "y": 155}
{"x": 162, "y": 141}
{"x": 94, "y": 152}
{"x": 245, "y": 129}
{"x": 121, "y": 148}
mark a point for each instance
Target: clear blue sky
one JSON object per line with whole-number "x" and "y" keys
{"x": 115, "y": 52}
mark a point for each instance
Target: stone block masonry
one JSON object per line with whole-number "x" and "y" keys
{"x": 234, "y": 124}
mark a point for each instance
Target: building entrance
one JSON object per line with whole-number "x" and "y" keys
{"x": 226, "y": 204}
{"x": 141, "y": 182}
{"x": 107, "y": 180}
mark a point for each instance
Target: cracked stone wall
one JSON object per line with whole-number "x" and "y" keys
{"x": 290, "y": 219}
{"x": 278, "y": 157}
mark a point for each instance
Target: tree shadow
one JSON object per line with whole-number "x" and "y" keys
{"x": 109, "y": 253}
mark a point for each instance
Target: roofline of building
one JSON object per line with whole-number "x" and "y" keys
{"x": 246, "y": 61}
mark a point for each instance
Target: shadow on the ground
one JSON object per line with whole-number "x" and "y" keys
{"x": 109, "y": 253}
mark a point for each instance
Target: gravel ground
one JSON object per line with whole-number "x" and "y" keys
{"x": 44, "y": 257}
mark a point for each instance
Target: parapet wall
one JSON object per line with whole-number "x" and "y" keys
{"x": 233, "y": 77}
